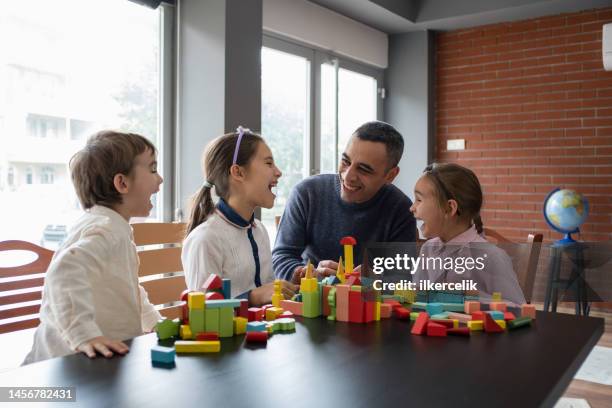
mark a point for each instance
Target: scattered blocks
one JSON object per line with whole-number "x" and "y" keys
{"x": 256, "y": 314}
{"x": 420, "y": 324}
{"x": 528, "y": 310}
{"x": 490, "y": 325}
{"x": 166, "y": 328}
{"x": 402, "y": 313}
{"x": 509, "y": 316}
{"x": 434, "y": 308}
{"x": 257, "y": 337}
{"x": 520, "y": 322}
{"x": 213, "y": 346}
{"x": 286, "y": 324}
{"x": 442, "y": 315}
{"x": 163, "y": 356}
{"x": 435, "y": 329}
{"x": 475, "y": 325}
{"x": 256, "y": 326}
{"x": 272, "y": 313}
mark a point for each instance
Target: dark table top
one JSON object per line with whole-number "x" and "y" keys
{"x": 326, "y": 364}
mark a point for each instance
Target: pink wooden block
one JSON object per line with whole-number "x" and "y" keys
{"x": 463, "y": 318}
{"x": 528, "y": 310}
{"x": 471, "y": 306}
{"x": 292, "y": 306}
{"x": 385, "y": 310}
{"x": 500, "y": 306}
{"x": 342, "y": 303}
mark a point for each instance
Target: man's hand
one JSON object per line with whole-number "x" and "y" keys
{"x": 104, "y": 346}
{"x": 326, "y": 268}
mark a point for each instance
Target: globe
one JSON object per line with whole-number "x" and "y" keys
{"x": 565, "y": 211}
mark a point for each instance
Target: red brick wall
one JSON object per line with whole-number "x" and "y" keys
{"x": 534, "y": 105}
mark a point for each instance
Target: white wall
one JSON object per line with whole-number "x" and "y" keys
{"x": 323, "y": 28}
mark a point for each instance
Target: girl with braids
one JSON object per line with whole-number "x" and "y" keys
{"x": 448, "y": 198}
{"x": 226, "y": 239}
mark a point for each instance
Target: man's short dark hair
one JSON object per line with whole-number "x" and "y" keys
{"x": 382, "y": 132}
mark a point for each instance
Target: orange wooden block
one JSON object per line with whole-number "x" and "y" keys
{"x": 471, "y": 306}
{"x": 500, "y": 306}
{"x": 342, "y": 303}
{"x": 385, "y": 310}
{"x": 528, "y": 311}
{"x": 292, "y": 306}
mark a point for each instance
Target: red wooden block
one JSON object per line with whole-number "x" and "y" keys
{"x": 185, "y": 294}
{"x": 243, "y": 311}
{"x": 368, "y": 312}
{"x": 326, "y": 309}
{"x": 355, "y": 307}
{"x": 500, "y": 306}
{"x": 257, "y": 337}
{"x": 402, "y": 313}
{"x": 185, "y": 308}
{"x": 213, "y": 282}
{"x": 458, "y": 331}
{"x": 353, "y": 279}
{"x": 443, "y": 322}
{"x": 385, "y": 310}
{"x": 256, "y": 314}
{"x": 490, "y": 325}
{"x": 420, "y": 324}
{"x": 435, "y": 329}
{"x": 214, "y": 296}
{"x": 479, "y": 315}
{"x": 509, "y": 316}
{"x": 206, "y": 336}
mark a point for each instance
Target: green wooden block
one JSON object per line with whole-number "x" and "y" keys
{"x": 414, "y": 315}
{"x": 311, "y": 304}
{"x": 166, "y": 329}
{"x": 520, "y": 322}
{"x": 211, "y": 320}
{"x": 453, "y": 307}
{"x": 226, "y": 322}
{"x": 443, "y": 315}
{"x": 196, "y": 320}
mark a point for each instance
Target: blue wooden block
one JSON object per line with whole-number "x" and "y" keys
{"x": 256, "y": 327}
{"x": 496, "y": 314}
{"x": 161, "y": 354}
{"x": 227, "y": 288}
{"x": 434, "y": 308}
{"x": 220, "y": 303}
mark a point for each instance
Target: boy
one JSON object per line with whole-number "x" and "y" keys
{"x": 91, "y": 297}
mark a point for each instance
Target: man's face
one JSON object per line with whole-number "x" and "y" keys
{"x": 364, "y": 169}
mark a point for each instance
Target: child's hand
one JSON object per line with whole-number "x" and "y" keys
{"x": 263, "y": 294}
{"x": 102, "y": 345}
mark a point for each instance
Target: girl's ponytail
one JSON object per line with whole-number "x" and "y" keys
{"x": 201, "y": 208}
{"x": 478, "y": 223}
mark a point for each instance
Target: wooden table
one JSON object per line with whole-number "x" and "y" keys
{"x": 332, "y": 364}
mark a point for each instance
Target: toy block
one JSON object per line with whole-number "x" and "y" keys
{"x": 368, "y": 311}
{"x": 490, "y": 325}
{"x": 458, "y": 331}
{"x": 212, "y": 346}
{"x": 256, "y": 314}
{"x": 420, "y": 324}
{"x": 333, "y": 280}
{"x": 161, "y": 354}
{"x": 243, "y": 310}
{"x": 444, "y": 322}
{"x": 478, "y": 315}
{"x": 213, "y": 282}
{"x": 402, "y": 313}
{"x": 272, "y": 313}
{"x": 435, "y": 329}
{"x": 342, "y": 302}
{"x": 520, "y": 322}
{"x": 166, "y": 328}
{"x": 185, "y": 332}
{"x": 340, "y": 272}
{"x": 311, "y": 304}
{"x": 413, "y": 316}
{"x": 269, "y": 328}
{"x": 207, "y": 336}
{"x": 496, "y": 297}
{"x": 509, "y": 316}
{"x": 291, "y": 306}
{"x": 528, "y": 310}
{"x": 408, "y": 296}
{"x": 475, "y": 325}
{"x": 353, "y": 280}
{"x": 211, "y": 320}
{"x": 325, "y": 310}
{"x": 185, "y": 295}
{"x": 257, "y": 337}
{"x": 276, "y": 326}
{"x": 348, "y": 243}
{"x": 195, "y": 300}
{"x": 462, "y": 318}
{"x": 385, "y": 310}
{"x": 453, "y": 307}
{"x": 308, "y": 285}
{"x": 277, "y": 296}
{"x": 297, "y": 297}
{"x": 196, "y": 320}
{"x": 185, "y": 313}
{"x": 256, "y": 326}
{"x": 501, "y": 323}
{"x": 434, "y": 308}
{"x": 495, "y": 314}
{"x": 419, "y": 305}
{"x": 214, "y": 296}
{"x": 355, "y": 307}
{"x": 226, "y": 322}
{"x": 239, "y": 325}
{"x": 471, "y": 306}
{"x": 286, "y": 324}
{"x": 377, "y": 311}
{"x": 221, "y": 303}
{"x": 394, "y": 303}
{"x": 392, "y": 297}
{"x": 226, "y": 288}
{"x": 499, "y": 306}
{"x": 442, "y": 315}
{"x": 286, "y": 315}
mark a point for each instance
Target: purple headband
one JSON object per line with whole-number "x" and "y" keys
{"x": 241, "y": 130}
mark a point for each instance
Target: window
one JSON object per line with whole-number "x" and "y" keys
{"x": 65, "y": 74}
{"x": 312, "y": 101}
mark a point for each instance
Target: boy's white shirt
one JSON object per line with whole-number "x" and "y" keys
{"x": 222, "y": 247}
{"x": 91, "y": 288}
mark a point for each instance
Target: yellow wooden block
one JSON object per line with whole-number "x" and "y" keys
{"x": 501, "y": 323}
{"x": 185, "y": 332}
{"x": 377, "y": 311}
{"x": 496, "y": 297}
{"x": 475, "y": 325}
{"x": 211, "y": 346}
{"x": 240, "y": 324}
{"x": 309, "y": 285}
{"x": 273, "y": 312}
{"x": 195, "y": 300}
{"x": 455, "y": 323}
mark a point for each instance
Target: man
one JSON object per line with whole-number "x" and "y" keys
{"x": 359, "y": 201}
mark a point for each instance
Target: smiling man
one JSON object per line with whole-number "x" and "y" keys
{"x": 359, "y": 201}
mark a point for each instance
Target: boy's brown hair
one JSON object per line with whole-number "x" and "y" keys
{"x": 94, "y": 167}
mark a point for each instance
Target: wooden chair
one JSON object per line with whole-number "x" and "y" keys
{"x": 21, "y": 287}
{"x": 161, "y": 269}
{"x": 526, "y": 270}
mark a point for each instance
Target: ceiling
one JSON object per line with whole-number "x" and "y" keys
{"x": 400, "y": 16}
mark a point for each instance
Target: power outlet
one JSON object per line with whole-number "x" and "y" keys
{"x": 455, "y": 144}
